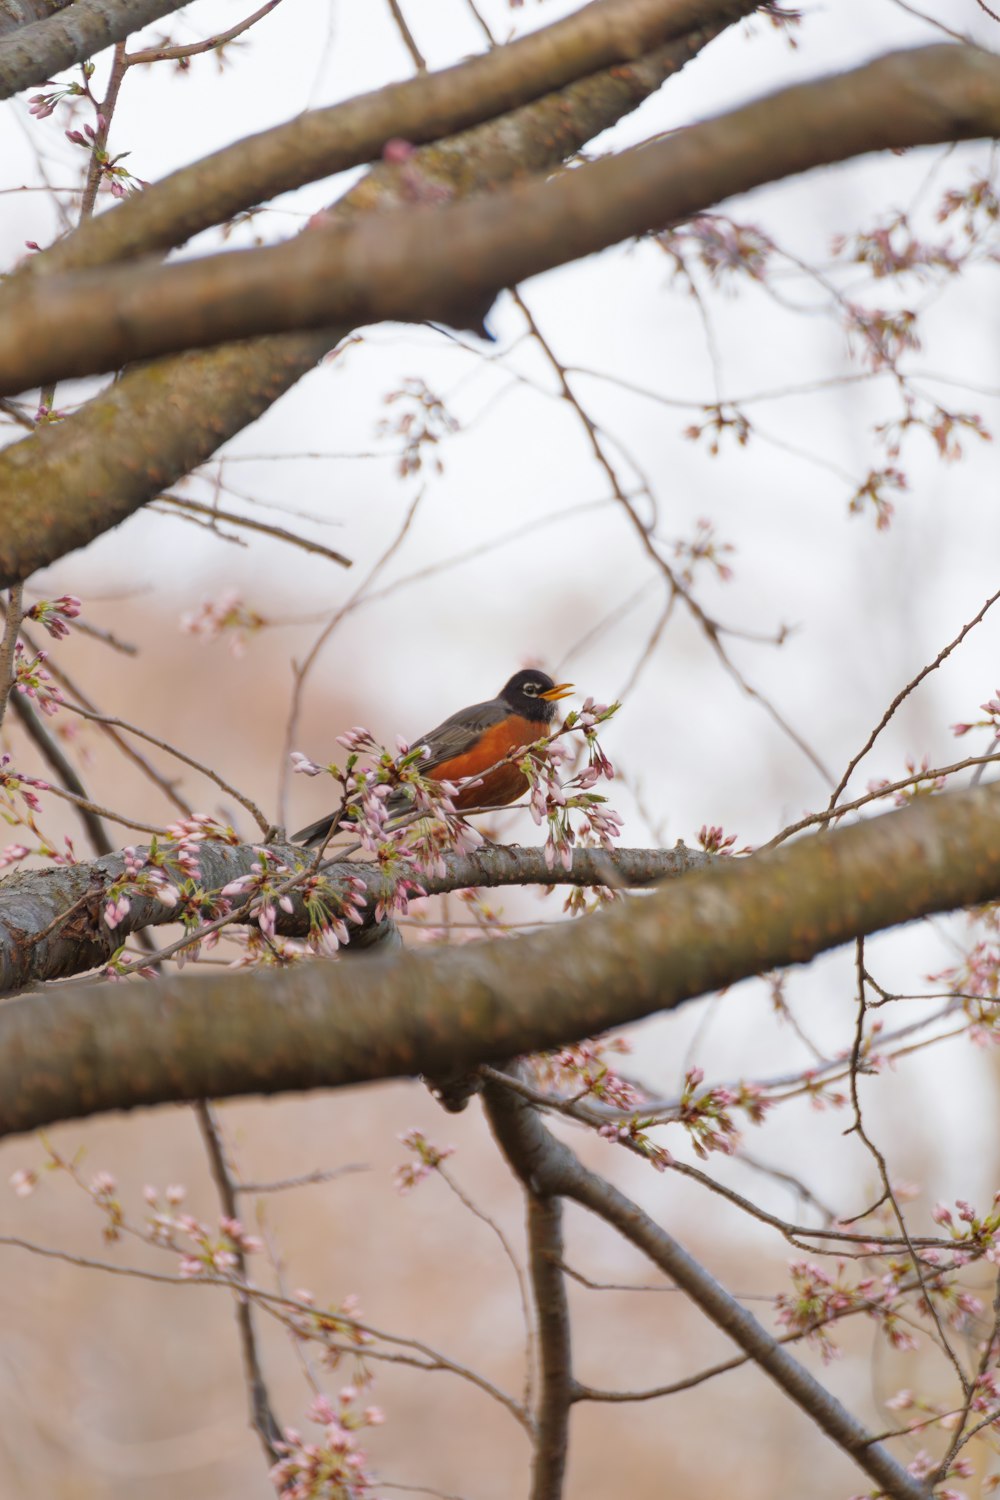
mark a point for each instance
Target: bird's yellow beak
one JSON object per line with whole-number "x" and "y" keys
{"x": 561, "y": 690}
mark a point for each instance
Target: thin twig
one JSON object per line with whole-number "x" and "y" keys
{"x": 888, "y": 1194}
{"x": 211, "y": 44}
{"x": 56, "y": 757}
{"x": 518, "y": 1270}
{"x": 195, "y": 507}
{"x": 905, "y": 692}
{"x": 166, "y": 786}
{"x": 710, "y": 627}
{"x": 301, "y": 671}
{"x": 832, "y": 813}
{"x": 409, "y": 43}
{"x": 306, "y": 1179}
{"x": 107, "y": 719}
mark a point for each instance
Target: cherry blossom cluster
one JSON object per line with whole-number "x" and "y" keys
{"x": 633, "y": 1133}
{"x": 976, "y": 983}
{"x": 169, "y": 873}
{"x": 873, "y": 493}
{"x": 143, "y": 875}
{"x": 892, "y": 248}
{"x": 215, "y": 1255}
{"x": 227, "y": 616}
{"x": 15, "y": 784}
{"x": 330, "y": 906}
{"x": 819, "y": 1297}
{"x": 707, "y": 1116}
{"x": 422, "y": 419}
{"x": 723, "y": 248}
{"x": 945, "y": 428}
{"x": 118, "y": 178}
{"x": 923, "y": 785}
{"x": 32, "y": 679}
{"x": 428, "y": 1158}
{"x": 992, "y": 721}
{"x": 703, "y": 547}
{"x": 978, "y": 205}
{"x": 53, "y": 614}
{"x": 584, "y": 1072}
{"x": 405, "y": 820}
{"x": 974, "y": 1235}
{"x": 43, "y": 105}
{"x": 721, "y": 419}
{"x": 715, "y": 840}
{"x": 337, "y": 1329}
{"x": 332, "y": 1467}
{"x": 16, "y": 781}
{"x": 554, "y": 802}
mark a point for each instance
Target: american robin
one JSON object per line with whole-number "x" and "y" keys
{"x": 475, "y": 739}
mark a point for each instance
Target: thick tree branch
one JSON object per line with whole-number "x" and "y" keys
{"x": 88, "y": 472}
{"x": 324, "y": 141}
{"x": 17, "y": 13}
{"x": 36, "y": 51}
{"x": 554, "y": 1170}
{"x": 52, "y": 924}
{"x": 447, "y": 263}
{"x": 74, "y": 1051}
{"x": 545, "y": 1251}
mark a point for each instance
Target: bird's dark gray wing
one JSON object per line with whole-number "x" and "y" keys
{"x": 449, "y": 739}
{"x": 459, "y": 733}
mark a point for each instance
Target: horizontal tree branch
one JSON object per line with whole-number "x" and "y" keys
{"x": 72, "y": 1051}
{"x": 448, "y": 262}
{"x": 89, "y": 471}
{"x": 321, "y": 142}
{"x": 52, "y": 923}
{"x": 554, "y": 1171}
{"x": 44, "y": 47}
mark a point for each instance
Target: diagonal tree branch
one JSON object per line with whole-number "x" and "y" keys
{"x": 555, "y": 1171}
{"x": 75, "y": 1051}
{"x": 91, "y": 470}
{"x": 321, "y": 142}
{"x": 446, "y": 263}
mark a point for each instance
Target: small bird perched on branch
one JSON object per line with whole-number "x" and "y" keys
{"x": 475, "y": 739}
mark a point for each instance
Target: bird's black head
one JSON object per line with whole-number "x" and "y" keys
{"x": 534, "y": 695}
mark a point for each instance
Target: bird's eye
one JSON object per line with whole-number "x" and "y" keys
{"x": 532, "y": 688}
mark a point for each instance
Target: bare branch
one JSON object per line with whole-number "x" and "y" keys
{"x": 195, "y": 49}
{"x": 195, "y": 507}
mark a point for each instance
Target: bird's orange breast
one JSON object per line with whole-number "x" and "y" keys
{"x": 505, "y": 783}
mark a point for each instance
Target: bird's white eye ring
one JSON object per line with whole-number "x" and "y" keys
{"x": 531, "y": 688}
